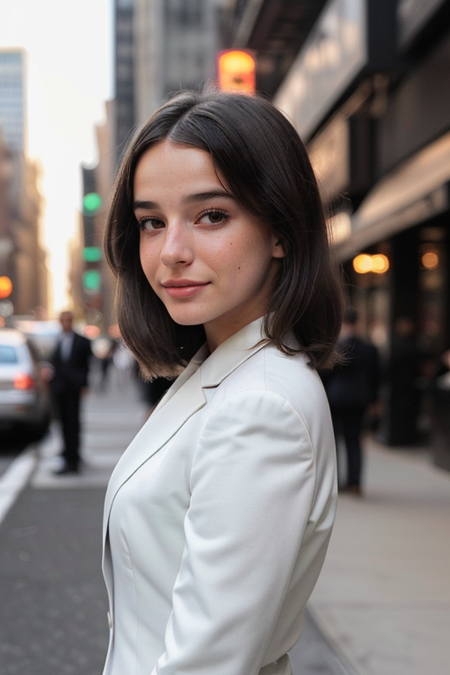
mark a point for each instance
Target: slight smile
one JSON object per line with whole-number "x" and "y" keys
{"x": 183, "y": 288}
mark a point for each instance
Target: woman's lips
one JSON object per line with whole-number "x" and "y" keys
{"x": 183, "y": 289}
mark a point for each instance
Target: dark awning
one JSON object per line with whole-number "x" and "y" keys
{"x": 276, "y": 30}
{"x": 418, "y": 190}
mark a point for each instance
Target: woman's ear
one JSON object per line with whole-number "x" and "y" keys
{"x": 279, "y": 249}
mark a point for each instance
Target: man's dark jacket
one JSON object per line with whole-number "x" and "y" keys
{"x": 72, "y": 375}
{"x": 355, "y": 382}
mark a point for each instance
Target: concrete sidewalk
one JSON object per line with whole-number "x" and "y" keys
{"x": 383, "y": 598}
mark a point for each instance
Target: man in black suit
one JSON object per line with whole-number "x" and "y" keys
{"x": 70, "y": 361}
{"x": 352, "y": 386}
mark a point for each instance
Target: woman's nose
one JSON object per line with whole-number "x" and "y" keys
{"x": 177, "y": 248}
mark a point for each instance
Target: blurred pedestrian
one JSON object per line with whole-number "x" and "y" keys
{"x": 352, "y": 389}
{"x": 70, "y": 365}
{"x": 123, "y": 361}
{"x": 103, "y": 350}
{"x": 403, "y": 395}
{"x": 218, "y": 515}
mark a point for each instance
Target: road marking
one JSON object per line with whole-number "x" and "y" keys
{"x": 14, "y": 480}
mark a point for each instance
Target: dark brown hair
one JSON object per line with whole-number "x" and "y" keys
{"x": 260, "y": 158}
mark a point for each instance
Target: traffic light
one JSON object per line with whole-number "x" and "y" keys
{"x": 91, "y": 206}
{"x": 91, "y": 203}
{"x": 92, "y": 278}
{"x": 6, "y": 287}
{"x": 236, "y": 71}
{"x": 92, "y": 281}
{"x": 92, "y": 254}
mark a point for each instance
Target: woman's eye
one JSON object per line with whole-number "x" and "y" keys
{"x": 149, "y": 223}
{"x": 213, "y": 217}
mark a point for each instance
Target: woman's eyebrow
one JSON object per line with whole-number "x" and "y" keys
{"x": 196, "y": 197}
{"x": 210, "y": 194}
{"x": 144, "y": 205}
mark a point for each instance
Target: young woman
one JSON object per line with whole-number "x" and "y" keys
{"x": 218, "y": 515}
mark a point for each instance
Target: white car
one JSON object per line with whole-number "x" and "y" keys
{"x": 25, "y": 404}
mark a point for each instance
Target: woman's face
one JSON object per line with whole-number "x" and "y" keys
{"x": 207, "y": 258}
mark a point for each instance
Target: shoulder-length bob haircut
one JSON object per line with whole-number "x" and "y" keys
{"x": 261, "y": 160}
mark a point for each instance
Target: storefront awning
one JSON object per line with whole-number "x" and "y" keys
{"x": 414, "y": 193}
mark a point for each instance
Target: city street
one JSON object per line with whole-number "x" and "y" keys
{"x": 382, "y": 601}
{"x": 249, "y": 158}
{"x": 52, "y": 599}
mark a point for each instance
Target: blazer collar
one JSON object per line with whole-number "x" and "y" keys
{"x": 226, "y": 358}
{"x": 184, "y": 398}
{"x": 232, "y": 353}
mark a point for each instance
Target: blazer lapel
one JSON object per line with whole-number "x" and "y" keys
{"x": 232, "y": 353}
{"x": 186, "y": 396}
{"x": 182, "y": 400}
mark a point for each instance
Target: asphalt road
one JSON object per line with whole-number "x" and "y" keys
{"x": 52, "y": 599}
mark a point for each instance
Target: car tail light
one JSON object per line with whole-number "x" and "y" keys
{"x": 23, "y": 381}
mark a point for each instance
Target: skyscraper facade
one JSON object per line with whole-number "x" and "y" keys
{"x": 12, "y": 98}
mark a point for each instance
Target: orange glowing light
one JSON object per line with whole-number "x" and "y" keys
{"x": 5, "y": 287}
{"x": 430, "y": 260}
{"x": 91, "y": 331}
{"x": 362, "y": 263}
{"x": 380, "y": 263}
{"x": 365, "y": 263}
{"x": 236, "y": 71}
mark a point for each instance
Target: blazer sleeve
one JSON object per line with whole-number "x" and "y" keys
{"x": 252, "y": 488}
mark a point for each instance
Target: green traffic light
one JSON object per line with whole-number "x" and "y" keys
{"x": 91, "y": 280}
{"x": 91, "y": 203}
{"x": 92, "y": 254}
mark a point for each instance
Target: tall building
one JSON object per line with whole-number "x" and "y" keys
{"x": 160, "y": 47}
{"x": 124, "y": 69}
{"x": 176, "y": 43}
{"x": 12, "y": 98}
{"x": 22, "y": 258}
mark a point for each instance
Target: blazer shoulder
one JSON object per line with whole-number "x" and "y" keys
{"x": 270, "y": 370}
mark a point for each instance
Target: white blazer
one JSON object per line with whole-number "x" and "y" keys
{"x": 218, "y": 516}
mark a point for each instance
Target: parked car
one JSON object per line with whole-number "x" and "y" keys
{"x": 24, "y": 395}
{"x": 42, "y": 334}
